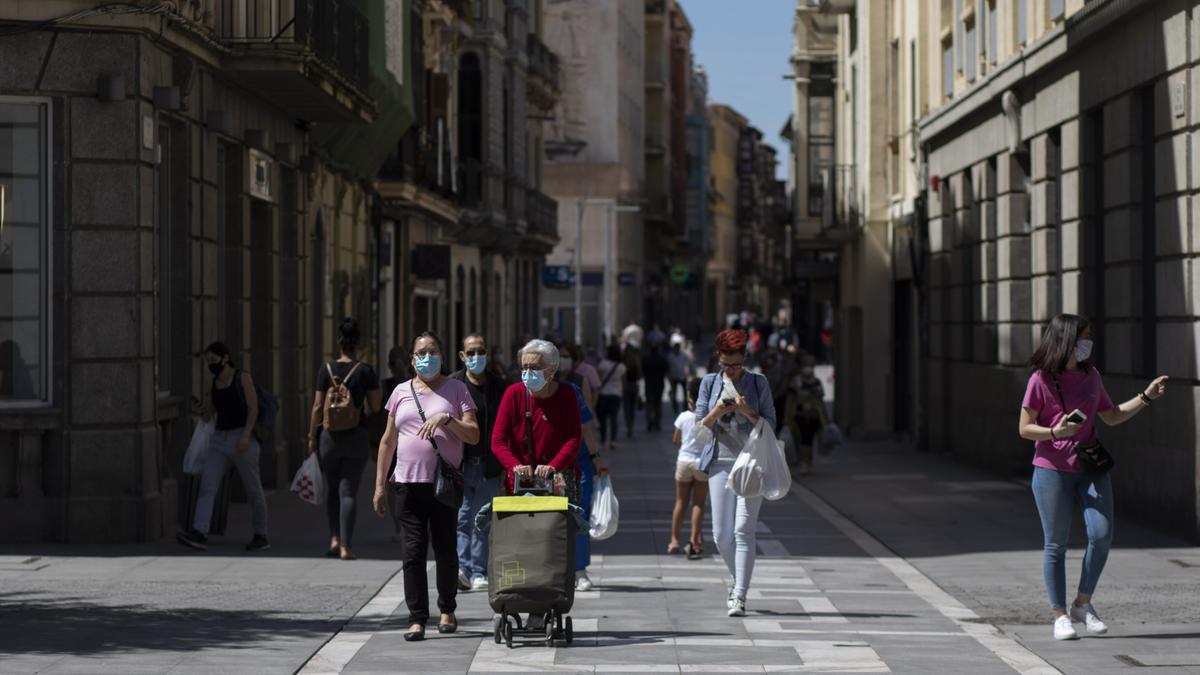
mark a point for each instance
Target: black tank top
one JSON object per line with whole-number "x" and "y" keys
{"x": 231, "y": 411}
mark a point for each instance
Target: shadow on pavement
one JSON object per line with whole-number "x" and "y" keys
{"x": 70, "y": 626}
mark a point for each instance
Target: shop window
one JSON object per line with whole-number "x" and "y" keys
{"x": 24, "y": 247}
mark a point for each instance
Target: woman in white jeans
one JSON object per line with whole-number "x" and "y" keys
{"x": 730, "y": 403}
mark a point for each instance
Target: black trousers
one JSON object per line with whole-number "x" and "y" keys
{"x": 607, "y": 409}
{"x": 343, "y": 456}
{"x": 678, "y": 396}
{"x": 629, "y": 399}
{"x": 654, "y": 395}
{"x": 422, "y": 518}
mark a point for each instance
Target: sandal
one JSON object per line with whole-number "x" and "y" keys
{"x": 673, "y": 549}
{"x": 694, "y": 551}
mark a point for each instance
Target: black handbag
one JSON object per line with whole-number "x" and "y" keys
{"x": 448, "y": 481}
{"x": 1096, "y": 459}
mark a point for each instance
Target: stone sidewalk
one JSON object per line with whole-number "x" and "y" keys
{"x": 826, "y": 597}
{"x": 883, "y": 561}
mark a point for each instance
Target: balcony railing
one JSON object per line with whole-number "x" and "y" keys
{"x": 425, "y": 163}
{"x": 543, "y": 62}
{"x": 332, "y": 31}
{"x": 542, "y": 214}
{"x": 842, "y": 207}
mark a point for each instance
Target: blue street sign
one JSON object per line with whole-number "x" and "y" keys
{"x": 625, "y": 279}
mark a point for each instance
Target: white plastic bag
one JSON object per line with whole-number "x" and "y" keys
{"x": 197, "y": 450}
{"x": 309, "y": 484}
{"x": 605, "y": 510}
{"x": 761, "y": 469}
{"x": 831, "y": 437}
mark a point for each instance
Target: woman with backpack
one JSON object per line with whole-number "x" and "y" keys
{"x": 234, "y": 401}
{"x": 430, "y": 417}
{"x": 1063, "y": 398}
{"x": 729, "y": 404}
{"x": 347, "y": 392}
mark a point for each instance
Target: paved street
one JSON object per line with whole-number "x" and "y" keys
{"x": 928, "y": 556}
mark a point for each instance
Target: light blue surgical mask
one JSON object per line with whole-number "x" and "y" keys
{"x": 428, "y": 365}
{"x": 534, "y": 380}
{"x": 1083, "y": 350}
{"x": 476, "y": 364}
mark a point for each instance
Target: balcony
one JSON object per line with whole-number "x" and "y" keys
{"x": 309, "y": 57}
{"x": 542, "y": 85}
{"x": 542, "y": 216}
{"x": 423, "y": 163}
{"x": 842, "y": 214}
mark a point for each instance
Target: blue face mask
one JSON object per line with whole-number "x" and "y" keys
{"x": 534, "y": 380}
{"x": 476, "y": 364}
{"x": 428, "y": 365}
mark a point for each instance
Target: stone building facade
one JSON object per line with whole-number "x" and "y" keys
{"x": 161, "y": 188}
{"x": 596, "y": 161}
{"x": 1035, "y": 157}
{"x": 1064, "y": 164}
{"x": 462, "y": 205}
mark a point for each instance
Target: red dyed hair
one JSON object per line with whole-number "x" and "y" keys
{"x": 731, "y": 340}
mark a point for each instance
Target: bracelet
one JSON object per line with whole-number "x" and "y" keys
{"x": 1145, "y": 399}
{"x": 1052, "y": 436}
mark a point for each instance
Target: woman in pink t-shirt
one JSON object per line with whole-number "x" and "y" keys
{"x": 428, "y": 416}
{"x": 1063, "y": 388}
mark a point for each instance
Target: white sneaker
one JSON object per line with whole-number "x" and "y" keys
{"x": 1063, "y": 630}
{"x": 1086, "y": 615}
{"x": 479, "y": 583}
{"x": 582, "y": 582}
{"x": 737, "y": 606}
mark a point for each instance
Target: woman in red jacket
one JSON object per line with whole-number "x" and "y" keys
{"x": 554, "y": 412}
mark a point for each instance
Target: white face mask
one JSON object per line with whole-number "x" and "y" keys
{"x": 1083, "y": 350}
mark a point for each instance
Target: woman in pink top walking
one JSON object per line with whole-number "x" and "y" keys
{"x": 1064, "y": 397}
{"x": 428, "y": 416}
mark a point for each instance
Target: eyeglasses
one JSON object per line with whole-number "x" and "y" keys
{"x": 475, "y": 352}
{"x": 427, "y": 352}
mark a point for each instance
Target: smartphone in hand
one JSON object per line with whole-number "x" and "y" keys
{"x": 1076, "y": 417}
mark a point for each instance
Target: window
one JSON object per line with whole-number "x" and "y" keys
{"x": 912, "y": 81}
{"x": 970, "y": 67}
{"x": 1022, "y": 20}
{"x": 820, "y": 134}
{"x": 24, "y": 251}
{"x": 958, "y": 38}
{"x": 947, "y": 68}
{"x": 1057, "y": 9}
{"x": 993, "y": 33}
{"x": 173, "y": 272}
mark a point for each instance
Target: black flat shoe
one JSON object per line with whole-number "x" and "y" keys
{"x": 333, "y": 552}
{"x": 446, "y": 628}
{"x": 414, "y": 636}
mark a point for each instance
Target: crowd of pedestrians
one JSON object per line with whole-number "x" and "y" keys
{"x": 559, "y": 412}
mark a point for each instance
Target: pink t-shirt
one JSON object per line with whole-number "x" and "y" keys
{"x": 1081, "y": 389}
{"x": 416, "y": 460}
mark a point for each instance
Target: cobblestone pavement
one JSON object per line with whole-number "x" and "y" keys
{"x": 883, "y": 561}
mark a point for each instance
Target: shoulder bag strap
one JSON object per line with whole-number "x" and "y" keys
{"x": 611, "y": 372}
{"x": 333, "y": 380}
{"x": 420, "y": 410}
{"x": 531, "y": 457}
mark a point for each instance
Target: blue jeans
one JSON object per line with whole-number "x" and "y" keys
{"x": 473, "y": 545}
{"x": 587, "y": 483}
{"x": 1055, "y": 493}
{"x": 735, "y": 524}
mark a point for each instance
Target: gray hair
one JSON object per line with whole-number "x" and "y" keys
{"x": 542, "y": 348}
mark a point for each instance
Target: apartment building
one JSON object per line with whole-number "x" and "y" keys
{"x": 464, "y": 220}
{"x": 162, "y": 185}
{"x": 1034, "y": 157}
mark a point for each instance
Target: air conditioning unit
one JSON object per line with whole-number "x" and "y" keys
{"x": 261, "y": 173}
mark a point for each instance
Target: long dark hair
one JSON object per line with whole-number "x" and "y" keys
{"x": 1058, "y": 342}
{"x": 220, "y": 350}
{"x": 349, "y": 335}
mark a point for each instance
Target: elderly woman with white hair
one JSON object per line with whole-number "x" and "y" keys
{"x": 552, "y": 421}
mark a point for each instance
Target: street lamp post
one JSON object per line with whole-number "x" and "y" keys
{"x": 610, "y": 281}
